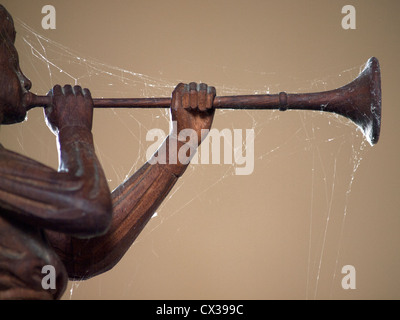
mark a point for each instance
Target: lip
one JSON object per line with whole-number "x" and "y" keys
{"x": 27, "y": 99}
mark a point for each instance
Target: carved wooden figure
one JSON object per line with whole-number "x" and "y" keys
{"x": 68, "y": 218}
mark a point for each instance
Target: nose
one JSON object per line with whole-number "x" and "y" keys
{"x": 26, "y": 83}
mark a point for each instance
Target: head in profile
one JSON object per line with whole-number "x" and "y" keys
{"x": 13, "y": 83}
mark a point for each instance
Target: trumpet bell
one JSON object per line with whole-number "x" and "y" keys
{"x": 361, "y": 101}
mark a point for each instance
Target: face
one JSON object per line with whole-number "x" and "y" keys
{"x": 13, "y": 83}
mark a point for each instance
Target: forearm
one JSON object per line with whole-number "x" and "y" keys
{"x": 134, "y": 203}
{"x": 75, "y": 147}
{"x": 78, "y": 158}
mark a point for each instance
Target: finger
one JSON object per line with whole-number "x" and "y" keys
{"x": 186, "y": 97}
{"x": 77, "y": 90}
{"x": 57, "y": 95}
{"x": 179, "y": 89}
{"x": 87, "y": 93}
{"x": 177, "y": 96}
{"x": 193, "y": 96}
{"x": 67, "y": 90}
{"x": 211, "y": 93}
{"x": 55, "y": 91}
{"x": 87, "y": 96}
{"x": 202, "y": 98}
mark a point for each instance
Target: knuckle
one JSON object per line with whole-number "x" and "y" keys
{"x": 211, "y": 90}
{"x": 77, "y": 89}
{"x": 203, "y": 86}
{"x": 179, "y": 87}
{"x": 193, "y": 87}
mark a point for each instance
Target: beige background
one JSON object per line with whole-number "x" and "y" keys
{"x": 319, "y": 198}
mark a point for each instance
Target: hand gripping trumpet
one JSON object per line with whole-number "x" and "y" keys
{"x": 359, "y": 101}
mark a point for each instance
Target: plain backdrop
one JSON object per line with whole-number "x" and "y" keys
{"x": 319, "y": 198}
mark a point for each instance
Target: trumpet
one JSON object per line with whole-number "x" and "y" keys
{"x": 360, "y": 101}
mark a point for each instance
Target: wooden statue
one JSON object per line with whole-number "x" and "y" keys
{"x": 68, "y": 218}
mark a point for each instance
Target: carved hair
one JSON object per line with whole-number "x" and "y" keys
{"x": 6, "y": 22}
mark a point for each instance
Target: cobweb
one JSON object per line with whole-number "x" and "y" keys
{"x": 331, "y": 146}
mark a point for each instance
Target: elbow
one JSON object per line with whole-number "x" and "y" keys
{"x": 87, "y": 269}
{"x": 95, "y": 218}
{"x": 87, "y": 218}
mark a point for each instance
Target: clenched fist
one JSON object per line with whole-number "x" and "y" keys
{"x": 192, "y": 108}
{"x": 71, "y": 107}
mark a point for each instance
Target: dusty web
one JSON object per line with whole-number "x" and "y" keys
{"x": 330, "y": 145}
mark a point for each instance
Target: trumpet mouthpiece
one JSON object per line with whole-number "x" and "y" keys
{"x": 31, "y": 100}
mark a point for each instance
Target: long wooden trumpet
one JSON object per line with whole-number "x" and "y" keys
{"x": 359, "y": 101}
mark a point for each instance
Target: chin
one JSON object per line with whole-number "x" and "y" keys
{"x": 16, "y": 117}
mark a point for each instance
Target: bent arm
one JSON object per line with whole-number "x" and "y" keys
{"x": 134, "y": 203}
{"x": 74, "y": 200}
{"x": 136, "y": 200}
